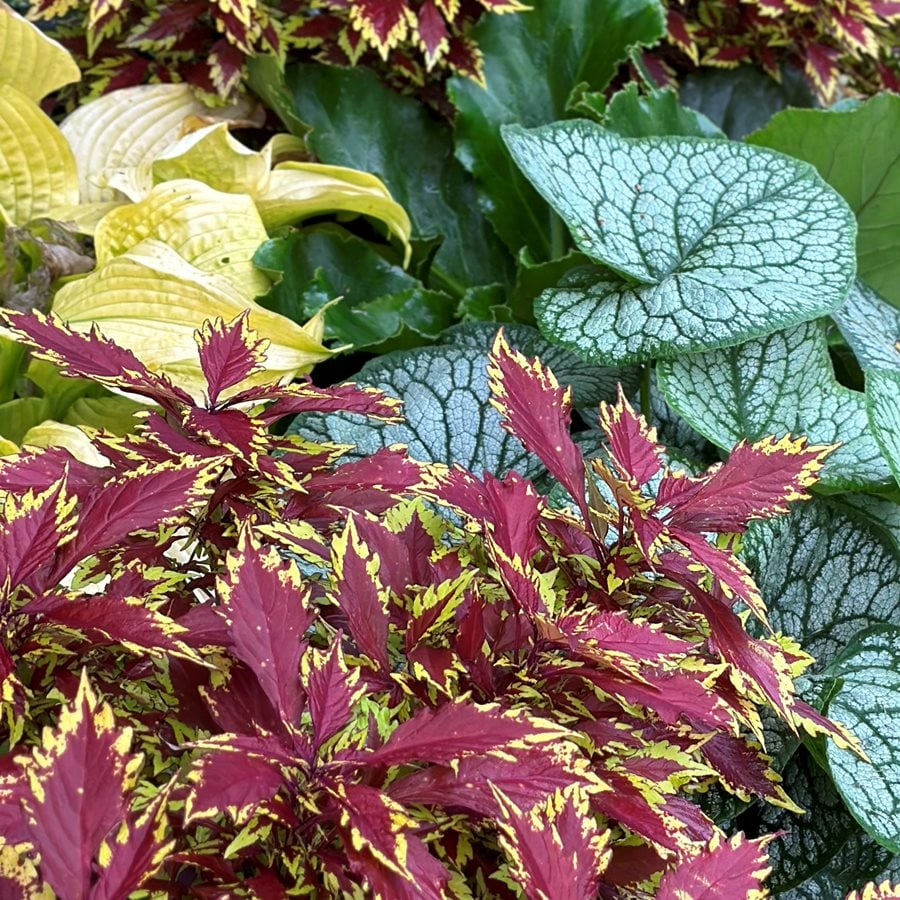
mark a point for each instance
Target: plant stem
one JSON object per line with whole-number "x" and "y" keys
{"x": 557, "y": 237}
{"x": 646, "y": 407}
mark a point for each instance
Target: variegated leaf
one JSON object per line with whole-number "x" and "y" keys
{"x": 268, "y": 613}
{"x": 78, "y": 780}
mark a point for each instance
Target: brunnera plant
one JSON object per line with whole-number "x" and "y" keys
{"x": 250, "y": 670}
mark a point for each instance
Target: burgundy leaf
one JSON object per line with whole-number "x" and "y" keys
{"x": 441, "y": 735}
{"x": 724, "y": 871}
{"x": 757, "y": 481}
{"x": 330, "y": 689}
{"x": 229, "y": 353}
{"x": 632, "y": 443}
{"x": 78, "y": 781}
{"x": 268, "y": 614}
{"x": 538, "y": 412}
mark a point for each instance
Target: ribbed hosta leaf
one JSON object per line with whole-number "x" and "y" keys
{"x": 29, "y": 60}
{"x": 782, "y": 383}
{"x": 37, "y": 170}
{"x": 701, "y": 243}
{"x": 868, "y": 702}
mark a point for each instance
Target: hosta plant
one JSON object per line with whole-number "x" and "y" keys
{"x": 253, "y": 672}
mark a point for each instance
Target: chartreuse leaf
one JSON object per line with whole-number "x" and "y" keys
{"x": 37, "y": 169}
{"x": 857, "y": 152}
{"x": 824, "y": 576}
{"x": 781, "y": 384}
{"x": 151, "y": 301}
{"x": 215, "y": 231}
{"x": 868, "y": 702}
{"x": 703, "y": 243}
{"x": 30, "y": 61}
{"x": 533, "y": 62}
{"x": 116, "y": 137}
{"x": 883, "y": 407}
{"x": 445, "y": 396}
{"x": 632, "y": 114}
{"x": 412, "y": 153}
{"x": 821, "y": 854}
{"x": 871, "y": 326}
{"x": 377, "y": 301}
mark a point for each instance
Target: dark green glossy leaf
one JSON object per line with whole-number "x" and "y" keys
{"x": 781, "y": 384}
{"x": 633, "y": 114}
{"x": 858, "y": 153}
{"x": 868, "y": 703}
{"x": 742, "y": 100}
{"x": 824, "y": 576}
{"x": 533, "y": 61}
{"x": 871, "y": 327}
{"x": 358, "y": 122}
{"x": 883, "y": 408}
{"x": 822, "y": 854}
{"x": 704, "y": 243}
{"x": 380, "y": 303}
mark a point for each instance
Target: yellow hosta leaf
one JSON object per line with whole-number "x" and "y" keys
{"x": 37, "y": 170}
{"x": 8, "y": 447}
{"x": 212, "y": 155}
{"x": 216, "y": 232}
{"x": 56, "y": 434}
{"x": 151, "y": 301}
{"x": 291, "y": 191}
{"x": 297, "y": 189}
{"x": 116, "y": 137}
{"x": 29, "y": 60}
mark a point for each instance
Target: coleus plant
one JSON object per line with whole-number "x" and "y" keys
{"x": 827, "y": 40}
{"x": 208, "y": 44}
{"x": 250, "y": 671}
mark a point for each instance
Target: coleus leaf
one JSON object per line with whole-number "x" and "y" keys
{"x": 142, "y": 498}
{"x": 456, "y": 729}
{"x": 77, "y": 784}
{"x": 727, "y": 868}
{"x": 268, "y": 614}
{"x": 382, "y": 846}
{"x": 555, "y": 850}
{"x": 883, "y": 891}
{"x": 229, "y": 353}
{"x": 824, "y": 576}
{"x": 781, "y": 384}
{"x": 838, "y": 144}
{"x": 331, "y": 690}
{"x": 32, "y": 527}
{"x": 361, "y": 595}
{"x": 867, "y": 700}
{"x": 537, "y": 411}
{"x": 663, "y": 216}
